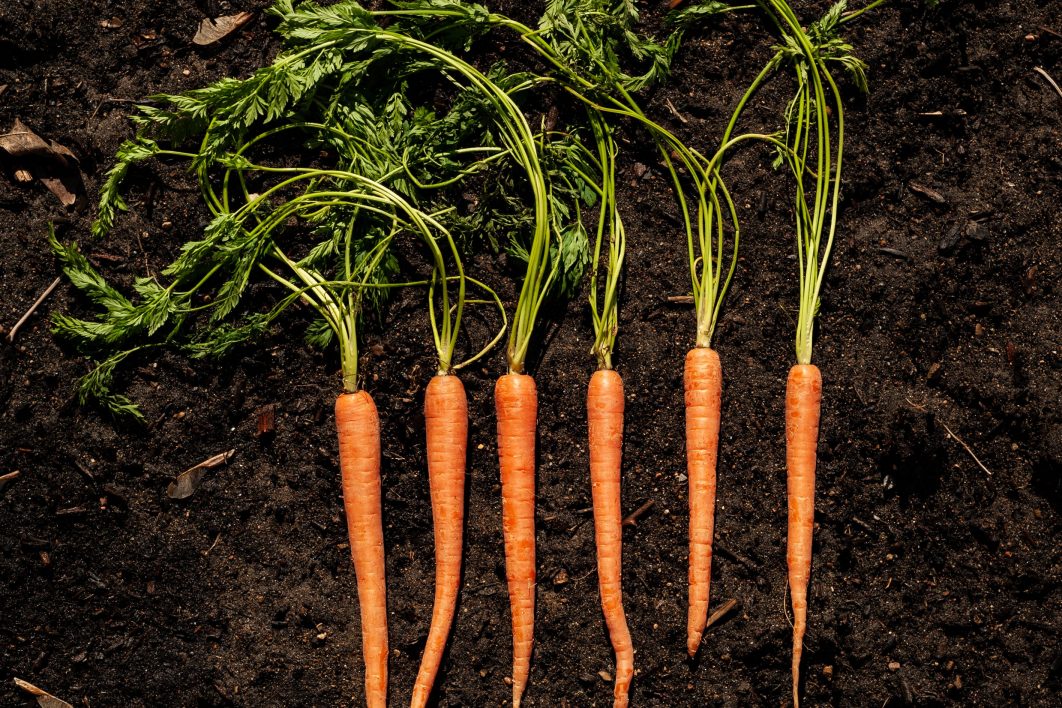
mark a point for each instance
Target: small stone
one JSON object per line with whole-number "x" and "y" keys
{"x": 934, "y": 370}
{"x": 977, "y": 231}
{"x": 827, "y": 671}
{"x": 957, "y": 683}
{"x": 508, "y": 680}
{"x": 167, "y": 224}
{"x": 978, "y": 330}
{"x": 605, "y": 676}
{"x": 894, "y": 666}
{"x": 187, "y": 72}
{"x": 561, "y": 578}
{"x": 1030, "y": 37}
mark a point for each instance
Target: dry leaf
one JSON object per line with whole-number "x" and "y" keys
{"x": 44, "y": 699}
{"x": 211, "y": 31}
{"x": 48, "y": 161}
{"x": 188, "y": 481}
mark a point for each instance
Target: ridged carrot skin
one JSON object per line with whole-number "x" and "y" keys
{"x": 446, "y": 423}
{"x": 516, "y": 404}
{"x": 358, "y": 426}
{"x": 704, "y": 394}
{"x": 604, "y": 415}
{"x": 803, "y": 401}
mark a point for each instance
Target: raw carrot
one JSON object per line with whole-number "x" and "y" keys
{"x": 358, "y": 426}
{"x": 704, "y": 391}
{"x": 604, "y": 414}
{"x": 446, "y": 421}
{"x": 516, "y": 403}
{"x": 803, "y": 399}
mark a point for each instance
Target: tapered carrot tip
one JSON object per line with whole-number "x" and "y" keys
{"x": 803, "y": 402}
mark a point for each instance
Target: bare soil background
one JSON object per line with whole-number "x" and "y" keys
{"x": 935, "y": 583}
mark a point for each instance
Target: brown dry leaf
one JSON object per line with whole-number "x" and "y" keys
{"x": 48, "y": 161}
{"x": 188, "y": 481}
{"x": 211, "y": 31}
{"x": 44, "y": 699}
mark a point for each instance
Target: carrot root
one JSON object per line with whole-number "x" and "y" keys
{"x": 604, "y": 413}
{"x": 516, "y": 404}
{"x": 446, "y": 424}
{"x": 703, "y": 396}
{"x": 803, "y": 402}
{"x": 358, "y": 427}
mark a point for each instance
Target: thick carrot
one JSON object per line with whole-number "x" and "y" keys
{"x": 803, "y": 398}
{"x": 604, "y": 415}
{"x": 358, "y": 426}
{"x": 446, "y": 421}
{"x": 516, "y": 403}
{"x": 704, "y": 392}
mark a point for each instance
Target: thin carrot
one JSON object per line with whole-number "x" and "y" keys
{"x": 604, "y": 413}
{"x": 704, "y": 390}
{"x": 803, "y": 398}
{"x": 358, "y": 426}
{"x": 516, "y": 403}
{"x": 446, "y": 421}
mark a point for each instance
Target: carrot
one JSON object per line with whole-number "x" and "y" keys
{"x": 446, "y": 421}
{"x": 516, "y": 403}
{"x": 604, "y": 413}
{"x": 704, "y": 391}
{"x": 803, "y": 399}
{"x": 358, "y": 426}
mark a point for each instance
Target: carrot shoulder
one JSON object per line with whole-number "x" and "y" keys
{"x": 358, "y": 426}
{"x": 446, "y": 424}
{"x": 704, "y": 392}
{"x": 604, "y": 413}
{"x": 516, "y": 403}
{"x": 803, "y": 401}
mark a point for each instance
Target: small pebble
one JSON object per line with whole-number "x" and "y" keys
{"x": 827, "y": 671}
{"x": 605, "y": 676}
{"x": 894, "y": 666}
{"x": 187, "y": 72}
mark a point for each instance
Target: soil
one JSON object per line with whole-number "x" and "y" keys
{"x": 937, "y": 558}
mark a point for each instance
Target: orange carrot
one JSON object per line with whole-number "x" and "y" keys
{"x": 604, "y": 414}
{"x": 803, "y": 398}
{"x": 358, "y": 426}
{"x": 446, "y": 421}
{"x": 704, "y": 391}
{"x": 516, "y": 403}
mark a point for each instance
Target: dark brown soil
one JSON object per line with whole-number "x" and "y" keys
{"x": 936, "y": 580}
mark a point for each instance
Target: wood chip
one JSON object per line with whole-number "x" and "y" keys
{"x": 44, "y": 699}
{"x": 188, "y": 481}
{"x": 930, "y": 194}
{"x": 214, "y": 30}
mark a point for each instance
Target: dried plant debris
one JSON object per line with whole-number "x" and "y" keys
{"x": 44, "y": 699}
{"x": 188, "y": 481}
{"x": 33, "y": 158}
{"x": 214, "y": 30}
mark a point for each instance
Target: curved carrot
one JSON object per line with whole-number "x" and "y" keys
{"x": 604, "y": 415}
{"x": 358, "y": 426}
{"x": 516, "y": 403}
{"x": 704, "y": 393}
{"x": 803, "y": 399}
{"x": 446, "y": 421}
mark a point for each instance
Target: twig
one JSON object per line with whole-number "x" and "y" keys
{"x": 680, "y": 299}
{"x": 727, "y": 607}
{"x": 632, "y": 520}
{"x": 967, "y": 448}
{"x": 675, "y": 112}
{"x": 33, "y": 308}
{"x": 1051, "y": 81}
